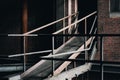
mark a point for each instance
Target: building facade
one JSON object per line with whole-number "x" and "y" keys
{"x": 109, "y": 23}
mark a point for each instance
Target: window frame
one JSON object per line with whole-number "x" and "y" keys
{"x": 113, "y": 14}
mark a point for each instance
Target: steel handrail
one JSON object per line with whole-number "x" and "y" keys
{"x": 63, "y": 29}
{"x": 30, "y": 53}
{"x": 72, "y": 52}
{"x": 93, "y": 25}
{"x": 54, "y": 22}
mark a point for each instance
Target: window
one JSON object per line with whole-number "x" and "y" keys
{"x": 114, "y": 8}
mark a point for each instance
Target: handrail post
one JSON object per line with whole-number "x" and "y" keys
{"x": 101, "y": 59}
{"x": 93, "y": 25}
{"x": 24, "y": 51}
{"x": 25, "y": 29}
{"x": 53, "y": 64}
{"x": 64, "y": 31}
{"x": 85, "y": 38}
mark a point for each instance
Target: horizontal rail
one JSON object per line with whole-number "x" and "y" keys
{"x": 97, "y": 35}
{"x": 22, "y": 35}
{"x": 31, "y": 53}
{"x": 10, "y": 68}
{"x": 72, "y": 52}
{"x": 74, "y": 23}
{"x": 83, "y": 60}
{"x": 37, "y": 29}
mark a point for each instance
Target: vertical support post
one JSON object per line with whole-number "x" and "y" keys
{"x": 64, "y": 21}
{"x": 86, "y": 52}
{"x": 24, "y": 46}
{"x": 101, "y": 58}
{"x": 69, "y": 13}
{"x": 25, "y": 22}
{"x": 76, "y": 5}
{"x": 76, "y": 10}
{"x": 53, "y": 64}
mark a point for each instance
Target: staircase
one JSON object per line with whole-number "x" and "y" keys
{"x": 71, "y": 49}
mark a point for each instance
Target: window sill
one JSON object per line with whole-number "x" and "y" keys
{"x": 115, "y": 15}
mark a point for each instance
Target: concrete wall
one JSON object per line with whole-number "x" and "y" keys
{"x": 107, "y": 25}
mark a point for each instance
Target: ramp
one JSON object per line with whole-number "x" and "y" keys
{"x": 75, "y": 71}
{"x": 44, "y": 67}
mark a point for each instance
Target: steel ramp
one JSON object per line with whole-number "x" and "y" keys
{"x": 75, "y": 72}
{"x": 43, "y": 68}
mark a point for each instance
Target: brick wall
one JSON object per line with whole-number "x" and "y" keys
{"x": 107, "y": 25}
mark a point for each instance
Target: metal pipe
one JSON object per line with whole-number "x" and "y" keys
{"x": 42, "y": 27}
{"x": 76, "y": 5}
{"x": 22, "y": 35}
{"x": 25, "y": 28}
{"x": 74, "y": 23}
{"x": 10, "y": 68}
{"x": 24, "y": 50}
{"x": 69, "y": 13}
{"x": 72, "y": 52}
{"x": 76, "y": 10}
{"x": 64, "y": 23}
{"x": 31, "y": 53}
{"x": 53, "y": 63}
{"x": 93, "y": 25}
{"x": 101, "y": 59}
{"x": 85, "y": 38}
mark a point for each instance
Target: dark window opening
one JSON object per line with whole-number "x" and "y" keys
{"x": 115, "y": 6}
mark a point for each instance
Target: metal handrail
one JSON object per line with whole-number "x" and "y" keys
{"x": 93, "y": 24}
{"x": 42, "y": 27}
{"x": 71, "y": 52}
{"x": 63, "y": 29}
{"x": 45, "y": 51}
{"x": 31, "y": 53}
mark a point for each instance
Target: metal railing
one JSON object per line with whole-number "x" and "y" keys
{"x": 29, "y": 33}
{"x": 101, "y": 61}
{"x": 55, "y": 34}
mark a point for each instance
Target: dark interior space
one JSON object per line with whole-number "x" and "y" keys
{"x": 39, "y": 15}
{"x": 85, "y": 7}
{"x": 11, "y": 23}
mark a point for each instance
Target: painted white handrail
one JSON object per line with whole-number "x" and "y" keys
{"x": 71, "y": 52}
{"x": 42, "y": 27}
{"x": 63, "y": 29}
{"x": 93, "y": 25}
{"x": 45, "y": 51}
{"x": 31, "y": 53}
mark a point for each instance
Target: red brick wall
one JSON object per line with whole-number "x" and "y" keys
{"x": 107, "y": 25}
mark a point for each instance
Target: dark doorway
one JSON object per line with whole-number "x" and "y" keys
{"x": 86, "y": 7}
